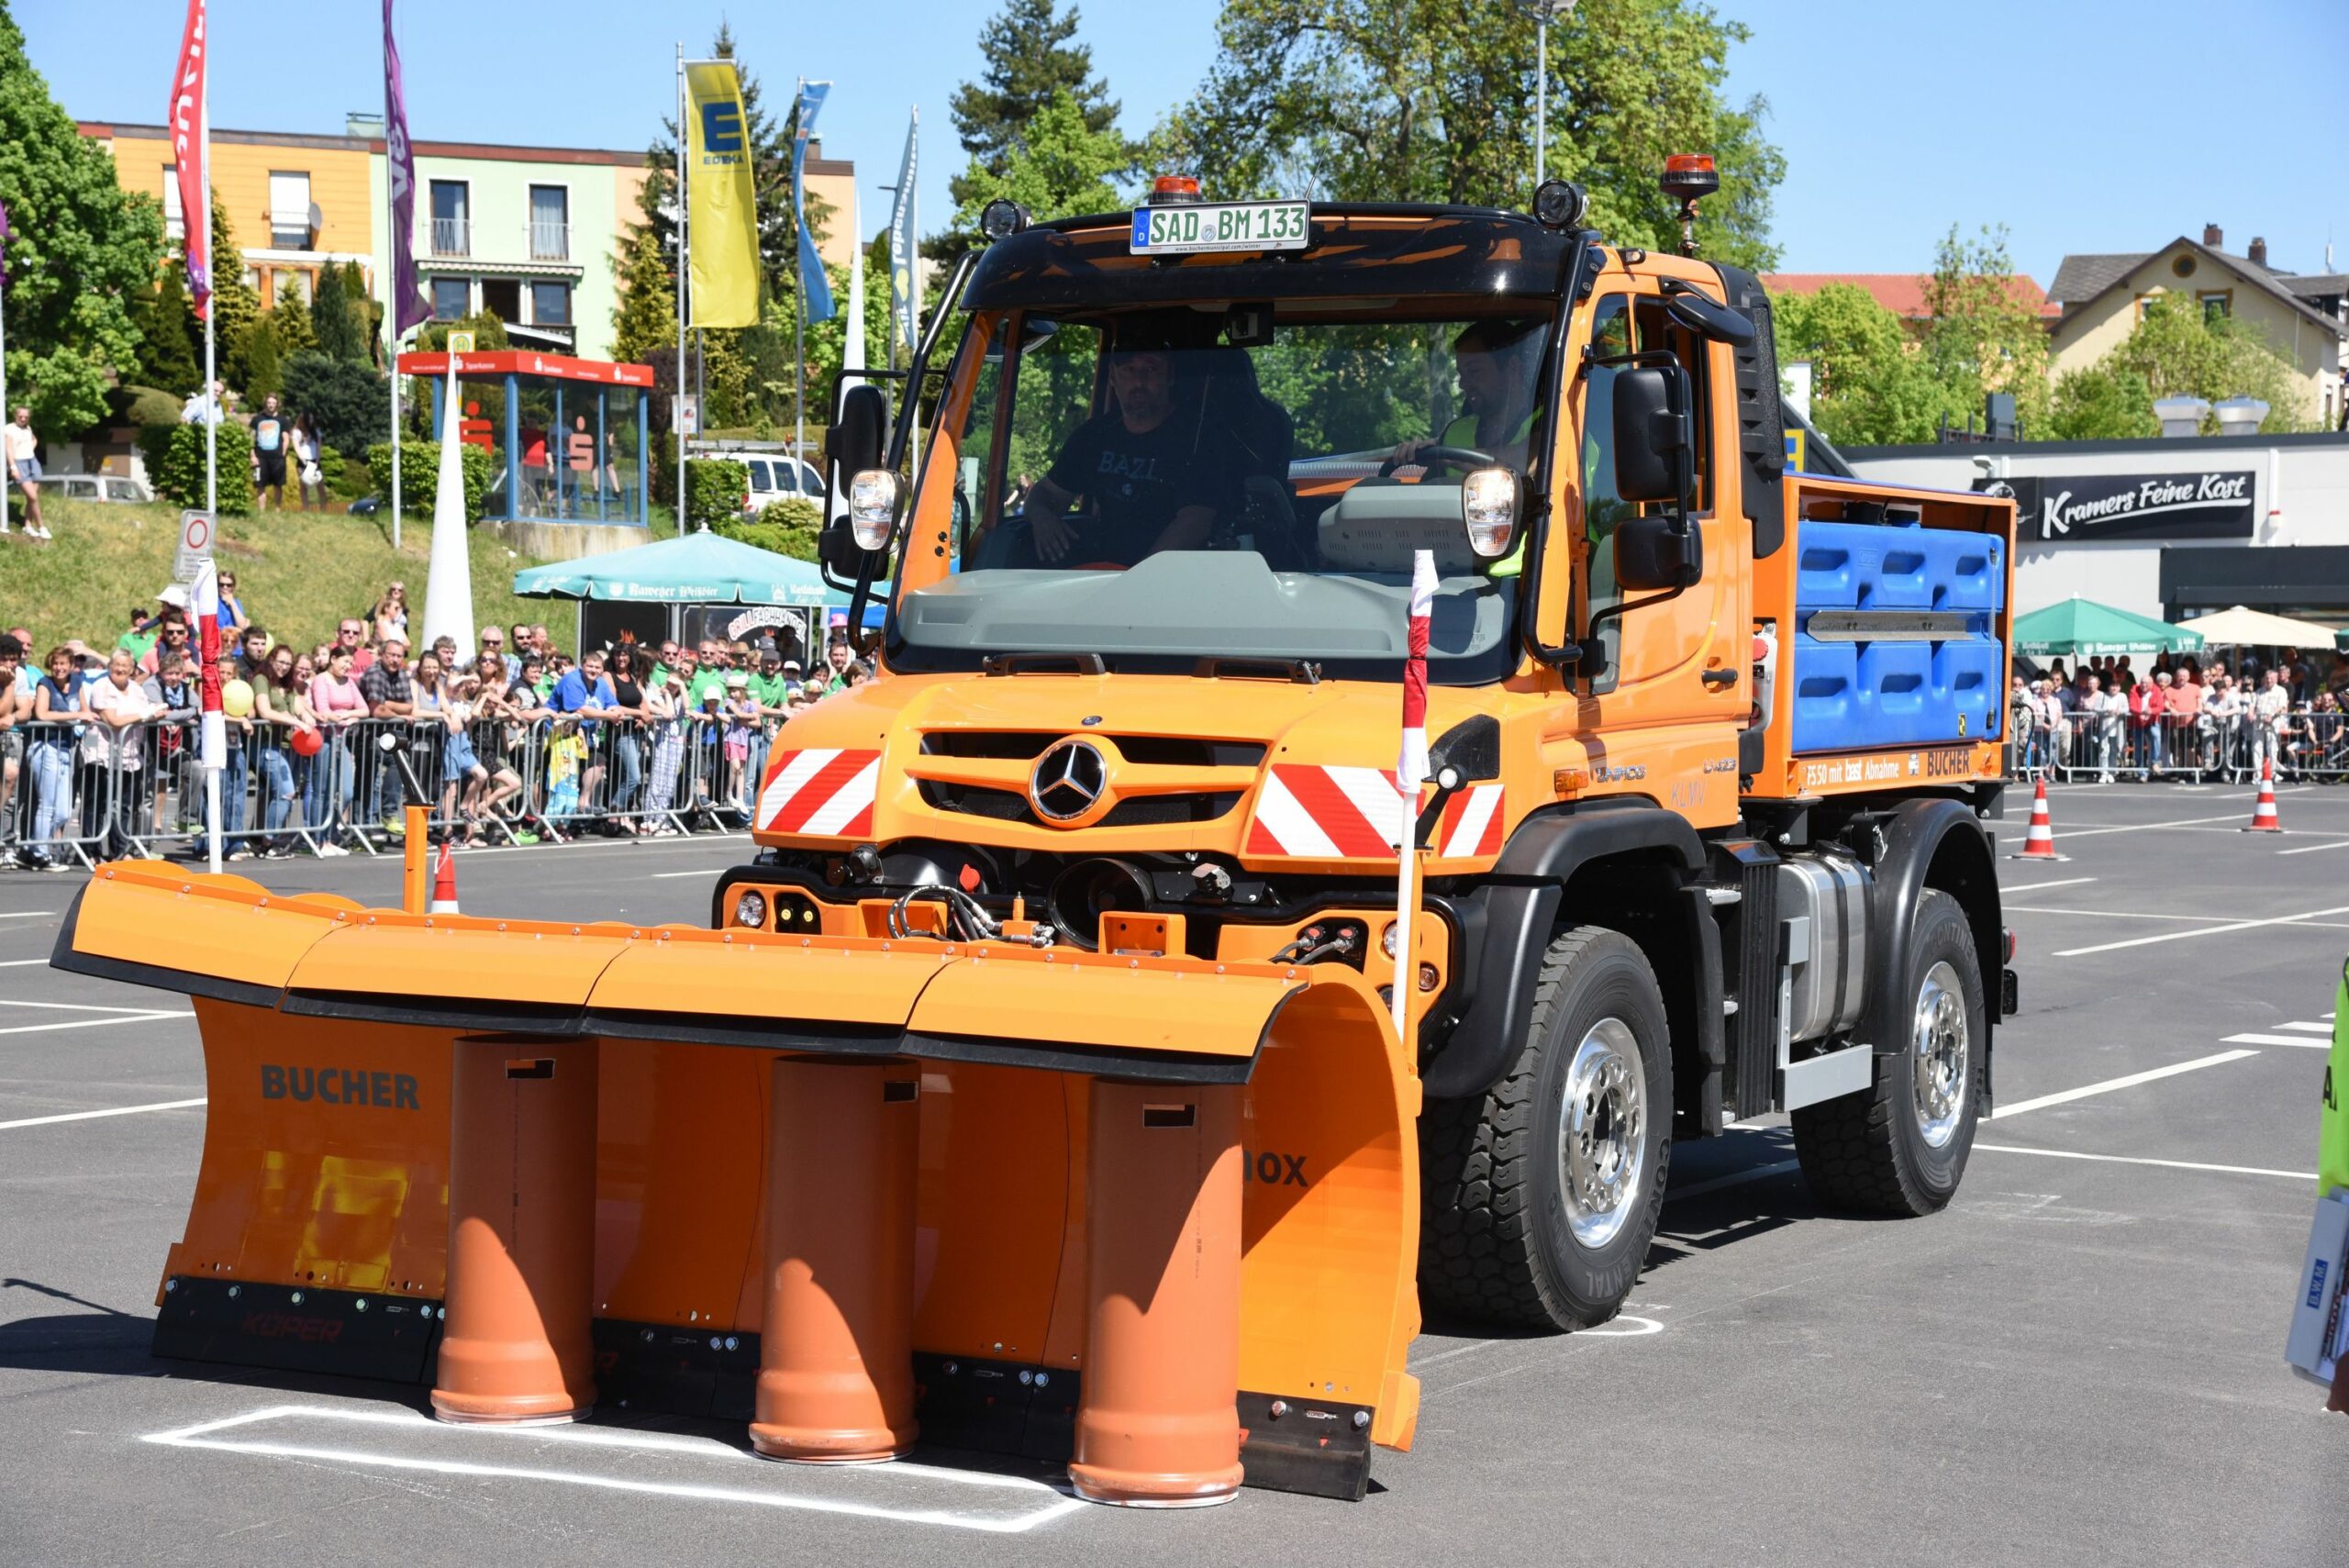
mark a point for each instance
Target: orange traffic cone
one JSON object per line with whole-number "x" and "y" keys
{"x": 2039, "y": 844}
{"x": 2263, "y": 816}
{"x": 444, "y": 884}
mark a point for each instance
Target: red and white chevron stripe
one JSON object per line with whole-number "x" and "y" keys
{"x": 822, "y": 793}
{"x": 1307, "y": 812}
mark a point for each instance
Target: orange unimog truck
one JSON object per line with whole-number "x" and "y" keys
{"x": 1096, "y": 879}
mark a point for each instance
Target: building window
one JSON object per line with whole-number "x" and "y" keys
{"x": 174, "y": 220}
{"x": 549, "y": 222}
{"x": 289, "y": 211}
{"x": 286, "y": 280}
{"x": 550, "y": 304}
{"x": 452, "y": 298}
{"x": 502, "y": 298}
{"x": 451, "y": 219}
{"x": 2215, "y": 303}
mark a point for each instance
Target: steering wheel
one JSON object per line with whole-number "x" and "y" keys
{"x": 1428, "y": 457}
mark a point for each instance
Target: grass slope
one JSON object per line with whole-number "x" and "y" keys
{"x": 297, "y": 572}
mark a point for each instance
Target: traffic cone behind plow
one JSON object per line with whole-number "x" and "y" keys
{"x": 2263, "y": 816}
{"x": 444, "y": 884}
{"x": 2039, "y": 844}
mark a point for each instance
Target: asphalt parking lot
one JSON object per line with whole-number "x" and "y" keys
{"x": 2078, "y": 1362}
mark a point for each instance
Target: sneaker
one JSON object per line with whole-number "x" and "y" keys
{"x": 523, "y": 836}
{"x": 43, "y": 534}
{"x": 331, "y": 852}
{"x": 32, "y": 859}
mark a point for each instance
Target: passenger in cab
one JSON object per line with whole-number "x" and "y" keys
{"x": 1495, "y": 362}
{"x": 1136, "y": 466}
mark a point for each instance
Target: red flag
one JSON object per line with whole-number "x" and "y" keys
{"x": 190, "y": 134}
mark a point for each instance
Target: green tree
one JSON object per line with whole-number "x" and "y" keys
{"x": 290, "y": 320}
{"x": 332, "y": 322}
{"x": 644, "y": 316}
{"x": 235, "y": 303}
{"x": 1985, "y": 333}
{"x": 1062, "y": 167}
{"x": 2177, "y": 348}
{"x": 167, "y": 353}
{"x": 366, "y": 309}
{"x": 258, "y": 357}
{"x": 2101, "y": 402}
{"x": 1869, "y": 383}
{"x": 1033, "y": 58}
{"x": 346, "y": 396}
{"x": 1429, "y": 100}
{"x": 79, "y": 249}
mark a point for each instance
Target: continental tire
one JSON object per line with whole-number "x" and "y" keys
{"x": 1541, "y": 1196}
{"x": 1900, "y": 1148}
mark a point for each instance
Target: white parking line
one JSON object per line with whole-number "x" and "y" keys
{"x": 2304, "y": 1041}
{"x": 2204, "y": 931}
{"x": 25, "y": 914}
{"x": 2133, "y": 1160}
{"x": 1018, "y": 1504}
{"x": 665, "y": 875}
{"x": 91, "y": 1023}
{"x": 2144, "y": 827}
{"x": 2044, "y": 886}
{"x": 87, "y": 1007}
{"x": 2084, "y": 1090}
{"x": 20, "y": 962}
{"x": 92, "y": 1115}
{"x": 2309, "y": 1025}
{"x": 2311, "y": 848}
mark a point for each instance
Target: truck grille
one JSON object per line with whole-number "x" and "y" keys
{"x": 1149, "y": 750}
{"x": 1141, "y": 811}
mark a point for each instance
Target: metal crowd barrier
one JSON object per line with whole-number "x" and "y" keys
{"x": 2308, "y": 743}
{"x": 86, "y": 793}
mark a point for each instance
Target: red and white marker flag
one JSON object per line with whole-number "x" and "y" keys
{"x": 213, "y": 753}
{"x": 1410, "y": 772}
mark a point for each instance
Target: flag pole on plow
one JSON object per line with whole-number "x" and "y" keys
{"x": 1410, "y": 772}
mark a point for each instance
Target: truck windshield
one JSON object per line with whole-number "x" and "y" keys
{"x": 1230, "y": 479}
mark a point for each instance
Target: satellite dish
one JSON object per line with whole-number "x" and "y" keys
{"x": 317, "y": 219}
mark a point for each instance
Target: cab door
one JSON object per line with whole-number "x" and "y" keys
{"x": 1662, "y": 674}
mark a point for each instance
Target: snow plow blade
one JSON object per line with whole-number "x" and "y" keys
{"x": 319, "y": 1236}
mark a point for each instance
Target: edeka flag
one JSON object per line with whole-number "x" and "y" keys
{"x": 724, "y": 219}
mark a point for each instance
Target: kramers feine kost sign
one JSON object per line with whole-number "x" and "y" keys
{"x": 2191, "y": 504}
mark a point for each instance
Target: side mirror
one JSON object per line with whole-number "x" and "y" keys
{"x": 1652, "y": 432}
{"x": 1655, "y": 551}
{"x": 854, "y": 443}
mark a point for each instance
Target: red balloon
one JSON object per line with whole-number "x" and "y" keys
{"x": 309, "y": 742}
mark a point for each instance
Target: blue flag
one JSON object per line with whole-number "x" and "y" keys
{"x": 815, "y": 288}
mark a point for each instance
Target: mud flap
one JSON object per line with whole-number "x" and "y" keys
{"x": 328, "y": 1030}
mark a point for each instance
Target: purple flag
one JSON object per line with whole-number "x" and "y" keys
{"x": 408, "y": 306}
{"x": 4, "y": 244}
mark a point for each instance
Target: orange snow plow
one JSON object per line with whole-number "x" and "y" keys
{"x": 847, "y": 1188}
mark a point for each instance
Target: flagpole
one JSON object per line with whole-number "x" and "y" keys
{"x": 683, "y": 240}
{"x": 913, "y": 287}
{"x": 799, "y": 272}
{"x": 211, "y": 757}
{"x": 391, "y": 287}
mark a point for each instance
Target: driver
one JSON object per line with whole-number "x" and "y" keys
{"x": 1494, "y": 360}
{"x": 1137, "y": 463}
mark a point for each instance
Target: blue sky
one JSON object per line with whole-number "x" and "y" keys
{"x": 2080, "y": 125}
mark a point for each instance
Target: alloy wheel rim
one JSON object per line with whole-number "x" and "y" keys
{"x": 1602, "y": 1126}
{"x": 1939, "y": 1052}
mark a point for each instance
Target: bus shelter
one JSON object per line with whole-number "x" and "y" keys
{"x": 567, "y": 438}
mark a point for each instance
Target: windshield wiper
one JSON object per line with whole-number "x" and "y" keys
{"x": 1304, "y": 671}
{"x": 1043, "y": 664}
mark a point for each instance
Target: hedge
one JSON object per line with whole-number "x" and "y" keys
{"x": 420, "y": 476}
{"x": 714, "y": 490}
{"x": 787, "y": 527}
{"x": 179, "y": 475}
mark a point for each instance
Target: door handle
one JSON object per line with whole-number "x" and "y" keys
{"x": 1715, "y": 680}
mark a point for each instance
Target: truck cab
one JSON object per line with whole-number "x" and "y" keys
{"x": 1712, "y": 741}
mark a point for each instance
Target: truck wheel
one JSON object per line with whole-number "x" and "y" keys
{"x": 1900, "y": 1148}
{"x": 1541, "y": 1197}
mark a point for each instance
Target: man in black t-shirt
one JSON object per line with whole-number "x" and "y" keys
{"x": 1139, "y": 466}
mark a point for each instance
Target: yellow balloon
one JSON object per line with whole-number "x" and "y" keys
{"x": 237, "y": 699}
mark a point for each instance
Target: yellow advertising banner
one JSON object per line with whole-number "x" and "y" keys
{"x": 722, "y": 236}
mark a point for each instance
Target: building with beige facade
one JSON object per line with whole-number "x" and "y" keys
{"x": 2302, "y": 315}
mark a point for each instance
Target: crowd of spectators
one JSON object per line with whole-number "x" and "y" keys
{"x": 2178, "y": 716}
{"x": 515, "y": 737}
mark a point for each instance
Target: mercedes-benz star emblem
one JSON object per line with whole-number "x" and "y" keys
{"x": 1068, "y": 780}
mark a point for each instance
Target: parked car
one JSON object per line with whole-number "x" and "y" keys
{"x": 97, "y": 488}
{"x": 779, "y": 478}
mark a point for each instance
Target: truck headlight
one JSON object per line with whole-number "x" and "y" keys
{"x": 873, "y": 507}
{"x": 750, "y": 910}
{"x": 1489, "y": 503}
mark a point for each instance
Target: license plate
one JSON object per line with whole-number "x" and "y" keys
{"x": 1237, "y": 226}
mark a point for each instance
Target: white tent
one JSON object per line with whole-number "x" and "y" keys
{"x": 2244, "y": 627}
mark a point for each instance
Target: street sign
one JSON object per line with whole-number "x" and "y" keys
{"x": 688, "y": 410}
{"x": 460, "y": 342}
{"x": 195, "y": 545}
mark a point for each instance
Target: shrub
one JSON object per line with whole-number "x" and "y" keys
{"x": 154, "y": 443}
{"x": 787, "y": 527}
{"x": 179, "y": 475}
{"x": 420, "y": 476}
{"x": 349, "y": 400}
{"x": 714, "y": 491}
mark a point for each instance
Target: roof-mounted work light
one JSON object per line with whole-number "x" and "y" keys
{"x": 1687, "y": 177}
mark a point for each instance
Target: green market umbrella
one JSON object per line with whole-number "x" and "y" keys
{"x": 701, "y": 568}
{"x": 2083, "y": 627}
